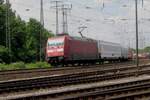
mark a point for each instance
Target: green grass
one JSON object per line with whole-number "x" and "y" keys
{"x": 22, "y": 65}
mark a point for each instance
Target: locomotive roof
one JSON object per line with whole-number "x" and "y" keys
{"x": 73, "y": 37}
{"x": 83, "y": 39}
{"x": 56, "y": 37}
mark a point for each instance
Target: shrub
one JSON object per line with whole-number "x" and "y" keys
{"x": 17, "y": 65}
{"x": 42, "y": 65}
{"x": 4, "y": 54}
{"x": 38, "y": 65}
{"x": 2, "y": 66}
{"x": 22, "y": 65}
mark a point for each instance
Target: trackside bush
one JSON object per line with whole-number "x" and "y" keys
{"x": 18, "y": 65}
{"x": 3, "y": 67}
{"x": 42, "y": 65}
{"x": 22, "y": 65}
{"x": 38, "y": 65}
{"x": 4, "y": 54}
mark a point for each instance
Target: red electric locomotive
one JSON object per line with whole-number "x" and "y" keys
{"x": 66, "y": 49}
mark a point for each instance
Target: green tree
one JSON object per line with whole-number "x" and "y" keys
{"x": 1, "y": 2}
{"x": 25, "y": 37}
{"x": 2, "y": 23}
{"x": 33, "y": 43}
{"x": 147, "y": 49}
{"x": 18, "y": 39}
{"x": 4, "y": 54}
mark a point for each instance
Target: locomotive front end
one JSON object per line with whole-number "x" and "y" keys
{"x": 55, "y": 50}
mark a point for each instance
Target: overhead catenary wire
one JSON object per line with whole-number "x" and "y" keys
{"x": 47, "y": 10}
{"x": 95, "y": 18}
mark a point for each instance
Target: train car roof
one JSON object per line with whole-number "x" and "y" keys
{"x": 110, "y": 43}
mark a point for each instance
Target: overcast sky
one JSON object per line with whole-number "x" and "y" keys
{"x": 109, "y": 20}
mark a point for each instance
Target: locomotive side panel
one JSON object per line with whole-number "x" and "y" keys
{"x": 82, "y": 49}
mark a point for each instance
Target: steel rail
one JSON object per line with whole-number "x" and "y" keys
{"x": 17, "y": 74}
{"x": 19, "y": 71}
{"x": 115, "y": 92}
{"x": 105, "y": 92}
{"x": 25, "y": 73}
{"x": 62, "y": 80}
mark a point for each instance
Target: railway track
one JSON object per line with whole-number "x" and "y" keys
{"x": 59, "y": 80}
{"x": 24, "y": 73}
{"x": 51, "y": 82}
{"x": 117, "y": 90}
{"x": 106, "y": 90}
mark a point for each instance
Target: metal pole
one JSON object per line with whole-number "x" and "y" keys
{"x": 6, "y": 23}
{"x": 136, "y": 15}
{"x": 65, "y": 9}
{"x": 66, "y": 22}
{"x": 57, "y": 27}
{"x": 41, "y": 28}
{"x": 8, "y": 34}
{"x": 142, "y": 3}
{"x": 63, "y": 18}
{"x": 57, "y": 2}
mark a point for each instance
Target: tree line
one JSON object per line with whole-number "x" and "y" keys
{"x": 24, "y": 36}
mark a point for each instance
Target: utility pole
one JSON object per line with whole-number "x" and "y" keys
{"x": 41, "y": 29}
{"x": 6, "y": 22}
{"x": 136, "y": 19}
{"x": 57, "y": 16}
{"x": 8, "y": 35}
{"x": 142, "y": 3}
{"x": 65, "y": 9}
{"x": 63, "y": 18}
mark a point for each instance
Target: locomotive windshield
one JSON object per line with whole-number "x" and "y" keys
{"x": 55, "y": 42}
